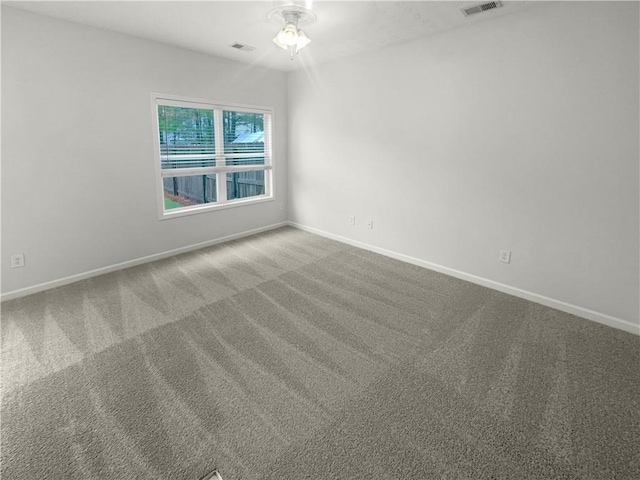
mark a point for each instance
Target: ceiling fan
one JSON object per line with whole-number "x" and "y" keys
{"x": 291, "y": 37}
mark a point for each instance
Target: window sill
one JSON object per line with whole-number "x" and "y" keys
{"x": 210, "y": 207}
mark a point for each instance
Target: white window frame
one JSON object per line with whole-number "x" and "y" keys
{"x": 221, "y": 169}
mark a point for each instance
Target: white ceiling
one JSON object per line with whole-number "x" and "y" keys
{"x": 342, "y": 28}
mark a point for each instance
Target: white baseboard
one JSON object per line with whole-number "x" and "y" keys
{"x": 130, "y": 263}
{"x": 501, "y": 287}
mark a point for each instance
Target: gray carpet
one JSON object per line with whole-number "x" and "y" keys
{"x": 289, "y": 356}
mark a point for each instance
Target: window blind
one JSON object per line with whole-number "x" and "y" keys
{"x": 187, "y": 137}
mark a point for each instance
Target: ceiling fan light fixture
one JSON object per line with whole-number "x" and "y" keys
{"x": 277, "y": 41}
{"x": 288, "y": 35}
{"x": 303, "y": 40}
{"x": 291, "y": 37}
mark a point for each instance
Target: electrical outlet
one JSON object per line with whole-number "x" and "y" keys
{"x": 282, "y": 206}
{"x": 505, "y": 256}
{"x": 352, "y": 220}
{"x": 17, "y": 260}
{"x": 370, "y": 224}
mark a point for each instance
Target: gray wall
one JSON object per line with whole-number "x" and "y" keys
{"x": 78, "y": 173}
{"x": 519, "y": 133}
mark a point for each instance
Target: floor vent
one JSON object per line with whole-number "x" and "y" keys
{"x": 481, "y": 8}
{"x": 212, "y": 476}
{"x": 244, "y": 48}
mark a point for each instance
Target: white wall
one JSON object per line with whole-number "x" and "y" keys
{"x": 78, "y": 173}
{"x": 518, "y": 133}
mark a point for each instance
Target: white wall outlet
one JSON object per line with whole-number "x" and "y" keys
{"x": 352, "y": 220}
{"x": 505, "y": 256}
{"x": 17, "y": 260}
{"x": 370, "y": 224}
{"x": 282, "y": 206}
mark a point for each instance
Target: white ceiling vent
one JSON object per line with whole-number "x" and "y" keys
{"x": 480, "y": 8}
{"x": 243, "y": 47}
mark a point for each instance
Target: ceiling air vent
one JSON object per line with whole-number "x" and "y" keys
{"x": 243, "y": 47}
{"x": 480, "y": 8}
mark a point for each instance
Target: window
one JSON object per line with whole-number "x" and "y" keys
{"x": 210, "y": 155}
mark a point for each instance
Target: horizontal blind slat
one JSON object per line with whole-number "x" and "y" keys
{"x": 182, "y": 172}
